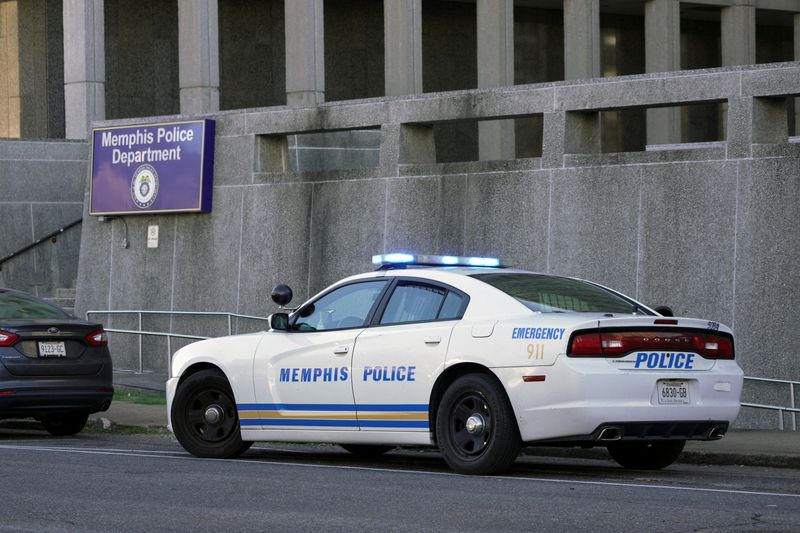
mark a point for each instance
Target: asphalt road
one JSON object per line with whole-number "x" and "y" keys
{"x": 101, "y": 482}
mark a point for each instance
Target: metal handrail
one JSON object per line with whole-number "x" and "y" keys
{"x": 52, "y": 235}
{"x": 169, "y": 336}
{"x": 780, "y": 408}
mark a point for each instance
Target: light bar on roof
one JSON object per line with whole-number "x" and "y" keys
{"x": 434, "y": 260}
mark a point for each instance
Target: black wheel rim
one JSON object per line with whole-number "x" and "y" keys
{"x": 469, "y": 439}
{"x": 211, "y": 415}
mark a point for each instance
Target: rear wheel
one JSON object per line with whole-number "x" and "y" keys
{"x": 646, "y": 455}
{"x": 66, "y": 424}
{"x": 367, "y": 450}
{"x": 204, "y": 416}
{"x": 475, "y": 426}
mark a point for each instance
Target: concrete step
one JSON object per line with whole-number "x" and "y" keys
{"x": 65, "y": 292}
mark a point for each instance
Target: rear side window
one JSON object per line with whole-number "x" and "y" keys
{"x": 553, "y": 294}
{"x": 417, "y": 302}
{"x": 16, "y": 305}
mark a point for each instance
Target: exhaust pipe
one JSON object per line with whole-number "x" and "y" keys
{"x": 610, "y": 434}
{"x": 716, "y": 433}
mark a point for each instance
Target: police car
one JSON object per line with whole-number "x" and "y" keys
{"x": 458, "y": 353}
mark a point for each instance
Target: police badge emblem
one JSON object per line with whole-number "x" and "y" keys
{"x": 144, "y": 186}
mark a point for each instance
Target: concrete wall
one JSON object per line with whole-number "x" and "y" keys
{"x": 42, "y": 188}
{"x": 710, "y": 231}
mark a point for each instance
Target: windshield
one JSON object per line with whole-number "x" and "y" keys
{"x": 18, "y": 305}
{"x": 552, "y": 294}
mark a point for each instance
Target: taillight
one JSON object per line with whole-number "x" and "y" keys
{"x": 7, "y": 338}
{"x": 619, "y": 343}
{"x": 97, "y": 338}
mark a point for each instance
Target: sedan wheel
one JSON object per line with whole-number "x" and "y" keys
{"x": 475, "y": 426}
{"x": 205, "y": 418}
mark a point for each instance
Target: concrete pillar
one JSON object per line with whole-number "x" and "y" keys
{"x": 662, "y": 40}
{"x": 738, "y": 39}
{"x": 198, "y": 55}
{"x": 581, "y": 39}
{"x": 402, "y": 29}
{"x": 417, "y": 144}
{"x": 84, "y": 66}
{"x": 305, "y": 52}
{"x": 495, "y": 69}
{"x": 9, "y": 66}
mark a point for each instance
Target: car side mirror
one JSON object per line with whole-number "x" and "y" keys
{"x": 279, "y": 321}
{"x": 282, "y": 294}
{"x": 664, "y": 310}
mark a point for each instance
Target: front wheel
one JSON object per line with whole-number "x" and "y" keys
{"x": 204, "y": 417}
{"x": 475, "y": 426}
{"x": 65, "y": 425}
{"x": 646, "y": 455}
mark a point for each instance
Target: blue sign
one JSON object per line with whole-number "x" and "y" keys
{"x": 152, "y": 168}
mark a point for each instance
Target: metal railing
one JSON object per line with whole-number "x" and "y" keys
{"x": 792, "y": 408}
{"x": 53, "y": 235}
{"x": 779, "y": 408}
{"x": 169, "y": 336}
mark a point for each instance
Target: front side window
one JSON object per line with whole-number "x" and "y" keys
{"x": 552, "y": 294}
{"x": 17, "y": 305}
{"x": 342, "y": 308}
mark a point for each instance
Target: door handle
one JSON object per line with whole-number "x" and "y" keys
{"x": 341, "y": 350}
{"x": 433, "y": 340}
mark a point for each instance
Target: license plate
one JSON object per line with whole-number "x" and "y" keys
{"x": 672, "y": 392}
{"x": 52, "y": 349}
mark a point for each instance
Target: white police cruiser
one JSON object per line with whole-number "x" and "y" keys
{"x": 474, "y": 359}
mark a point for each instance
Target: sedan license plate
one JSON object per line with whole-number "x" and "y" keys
{"x": 672, "y": 392}
{"x": 52, "y": 349}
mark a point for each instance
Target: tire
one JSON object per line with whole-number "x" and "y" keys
{"x": 646, "y": 455}
{"x": 66, "y": 424}
{"x": 202, "y": 396}
{"x": 367, "y": 450}
{"x": 493, "y": 444}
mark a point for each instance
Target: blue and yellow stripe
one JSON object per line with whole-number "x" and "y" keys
{"x": 321, "y": 415}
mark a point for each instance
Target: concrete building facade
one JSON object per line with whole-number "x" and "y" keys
{"x": 647, "y": 145}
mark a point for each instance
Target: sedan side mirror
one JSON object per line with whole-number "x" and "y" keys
{"x": 279, "y": 322}
{"x": 664, "y": 310}
{"x": 282, "y": 294}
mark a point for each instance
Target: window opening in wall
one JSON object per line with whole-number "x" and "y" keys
{"x": 488, "y": 140}
{"x": 774, "y": 44}
{"x": 318, "y": 152}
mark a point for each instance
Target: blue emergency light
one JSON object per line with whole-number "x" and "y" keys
{"x": 434, "y": 260}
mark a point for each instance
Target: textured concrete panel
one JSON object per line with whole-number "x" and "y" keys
{"x": 207, "y": 255}
{"x": 347, "y": 229}
{"x": 99, "y": 243}
{"x": 593, "y": 225}
{"x": 767, "y": 272}
{"x": 687, "y": 239}
{"x": 56, "y": 260}
{"x": 43, "y": 181}
{"x": 17, "y": 216}
{"x": 276, "y": 230}
{"x": 44, "y": 150}
{"x": 233, "y": 160}
{"x": 426, "y": 215}
{"x": 507, "y": 217}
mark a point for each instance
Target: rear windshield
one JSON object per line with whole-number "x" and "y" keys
{"x": 18, "y": 305}
{"x": 552, "y": 294}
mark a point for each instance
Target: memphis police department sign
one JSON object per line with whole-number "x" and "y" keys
{"x": 152, "y": 168}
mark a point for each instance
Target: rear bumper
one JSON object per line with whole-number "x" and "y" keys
{"x": 40, "y": 396}
{"x": 581, "y": 397}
